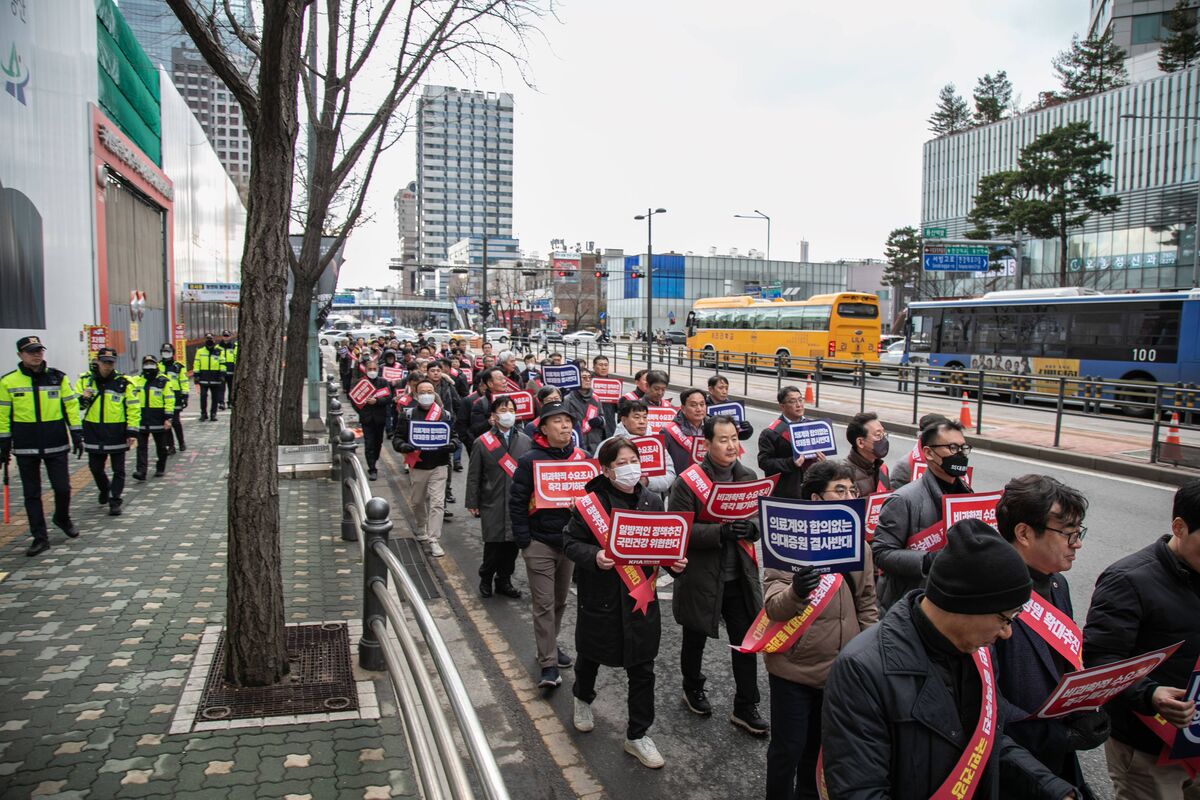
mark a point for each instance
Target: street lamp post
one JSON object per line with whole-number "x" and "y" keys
{"x": 759, "y": 215}
{"x": 1196, "y": 167}
{"x": 648, "y": 216}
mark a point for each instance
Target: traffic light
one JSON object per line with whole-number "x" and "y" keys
{"x": 600, "y": 274}
{"x": 636, "y": 275}
{"x": 486, "y": 309}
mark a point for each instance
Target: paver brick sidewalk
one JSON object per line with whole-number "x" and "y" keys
{"x": 98, "y": 634}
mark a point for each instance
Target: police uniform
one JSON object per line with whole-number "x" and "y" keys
{"x": 155, "y": 394}
{"x": 38, "y": 410}
{"x": 229, "y": 356}
{"x": 208, "y": 368}
{"x": 176, "y": 371}
{"x": 111, "y": 415}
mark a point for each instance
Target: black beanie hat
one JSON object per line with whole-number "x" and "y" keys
{"x": 977, "y": 572}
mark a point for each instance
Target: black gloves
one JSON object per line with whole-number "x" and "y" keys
{"x": 804, "y": 581}
{"x": 182, "y": 400}
{"x": 745, "y": 430}
{"x": 739, "y": 529}
{"x": 927, "y": 562}
{"x": 5, "y": 449}
{"x": 595, "y": 422}
{"x": 77, "y": 443}
{"x": 1088, "y": 730}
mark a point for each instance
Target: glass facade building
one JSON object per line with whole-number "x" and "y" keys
{"x": 464, "y": 168}
{"x": 1149, "y": 244}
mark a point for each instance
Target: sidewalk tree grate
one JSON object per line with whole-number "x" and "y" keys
{"x": 321, "y": 680}
{"x": 409, "y": 553}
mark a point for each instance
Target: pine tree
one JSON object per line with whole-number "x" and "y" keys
{"x": 903, "y": 253}
{"x": 1181, "y": 49}
{"x": 993, "y": 96}
{"x": 1091, "y": 65}
{"x": 952, "y": 113}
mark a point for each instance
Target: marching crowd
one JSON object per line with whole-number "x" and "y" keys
{"x": 919, "y": 675}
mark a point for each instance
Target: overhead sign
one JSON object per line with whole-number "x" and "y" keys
{"x": 211, "y": 292}
{"x": 934, "y": 233}
{"x": 955, "y": 258}
{"x": 343, "y": 299}
{"x": 828, "y": 536}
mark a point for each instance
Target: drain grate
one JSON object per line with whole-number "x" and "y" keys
{"x": 320, "y": 681}
{"x": 409, "y": 553}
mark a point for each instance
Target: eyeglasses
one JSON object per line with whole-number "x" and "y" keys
{"x": 954, "y": 449}
{"x": 1072, "y": 536}
{"x": 843, "y": 491}
{"x": 1008, "y": 621}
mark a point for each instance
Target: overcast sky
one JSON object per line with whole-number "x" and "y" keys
{"x": 812, "y": 112}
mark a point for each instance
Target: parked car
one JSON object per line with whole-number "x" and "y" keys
{"x": 439, "y": 334}
{"x": 462, "y": 333}
{"x": 405, "y": 334}
{"x": 547, "y": 336}
{"x": 676, "y": 337}
{"x": 369, "y": 332}
{"x": 332, "y": 337}
{"x": 579, "y": 337}
{"x": 887, "y": 340}
{"x": 499, "y": 335}
{"x": 893, "y": 355}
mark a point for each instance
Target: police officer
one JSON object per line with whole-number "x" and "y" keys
{"x": 229, "y": 356}
{"x": 38, "y": 408}
{"x": 178, "y": 373}
{"x": 156, "y": 397}
{"x": 111, "y": 414}
{"x": 208, "y": 367}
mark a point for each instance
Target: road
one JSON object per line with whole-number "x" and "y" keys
{"x": 706, "y": 758}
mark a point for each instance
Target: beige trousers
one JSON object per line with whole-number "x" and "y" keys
{"x": 549, "y": 574}
{"x": 427, "y": 499}
{"x": 1135, "y": 776}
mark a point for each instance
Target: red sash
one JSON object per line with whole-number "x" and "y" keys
{"x": 681, "y": 438}
{"x": 507, "y": 463}
{"x": 931, "y": 539}
{"x": 435, "y": 413}
{"x": 883, "y": 473}
{"x": 786, "y": 433}
{"x": 513, "y": 385}
{"x": 775, "y": 637}
{"x": 701, "y": 485}
{"x": 631, "y": 396}
{"x": 640, "y": 588}
{"x": 1055, "y": 629}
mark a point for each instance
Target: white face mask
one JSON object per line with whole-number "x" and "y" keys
{"x": 372, "y": 374}
{"x": 627, "y": 475}
{"x": 167, "y": 355}
{"x": 506, "y": 419}
{"x": 425, "y": 400}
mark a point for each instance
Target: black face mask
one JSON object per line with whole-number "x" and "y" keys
{"x": 880, "y": 448}
{"x": 149, "y": 372}
{"x": 209, "y": 343}
{"x": 955, "y": 466}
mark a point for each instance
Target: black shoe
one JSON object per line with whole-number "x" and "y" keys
{"x": 171, "y": 450}
{"x": 550, "y": 678}
{"x": 749, "y": 719}
{"x": 114, "y": 508}
{"x": 39, "y": 546}
{"x": 450, "y": 497}
{"x": 564, "y": 660}
{"x": 697, "y": 702}
{"x": 160, "y": 471}
{"x": 182, "y": 447}
{"x": 485, "y": 587}
{"x": 70, "y": 529}
{"x": 139, "y": 476}
{"x": 204, "y": 418}
{"x": 372, "y": 475}
{"x": 505, "y": 587}
{"x": 447, "y": 515}
{"x": 104, "y": 497}
{"x": 458, "y": 466}
{"x": 223, "y": 407}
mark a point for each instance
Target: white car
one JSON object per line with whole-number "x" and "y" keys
{"x": 462, "y": 333}
{"x": 333, "y": 337}
{"x": 405, "y": 334}
{"x": 893, "y": 355}
{"x": 438, "y": 334}
{"x": 500, "y": 335}
{"x": 367, "y": 333}
{"x": 579, "y": 337}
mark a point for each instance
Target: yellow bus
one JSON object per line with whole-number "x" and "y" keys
{"x": 843, "y": 326}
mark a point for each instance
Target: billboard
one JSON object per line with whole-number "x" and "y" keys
{"x": 566, "y": 267}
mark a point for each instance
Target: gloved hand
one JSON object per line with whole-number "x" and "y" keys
{"x": 595, "y": 422}
{"x": 738, "y": 529}
{"x": 927, "y": 562}
{"x": 751, "y": 535}
{"x": 804, "y": 581}
{"x": 77, "y": 443}
{"x": 745, "y": 430}
{"x": 406, "y": 448}
{"x": 183, "y": 400}
{"x": 1088, "y": 730}
{"x": 5, "y": 449}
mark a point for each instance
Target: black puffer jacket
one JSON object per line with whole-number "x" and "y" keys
{"x": 546, "y": 524}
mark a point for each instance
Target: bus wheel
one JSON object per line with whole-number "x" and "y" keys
{"x": 1130, "y": 398}
{"x": 783, "y": 361}
{"x": 710, "y": 357}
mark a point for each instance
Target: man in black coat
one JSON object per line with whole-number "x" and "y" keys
{"x": 373, "y": 414}
{"x": 911, "y": 711}
{"x": 775, "y": 453}
{"x": 1043, "y": 520}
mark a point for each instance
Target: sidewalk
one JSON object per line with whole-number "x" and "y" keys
{"x": 98, "y": 635}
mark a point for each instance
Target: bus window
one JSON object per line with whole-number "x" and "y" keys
{"x": 957, "y": 331}
{"x": 722, "y": 318}
{"x": 1098, "y": 335}
{"x": 1153, "y": 335}
{"x": 816, "y": 318}
{"x": 703, "y": 318}
{"x": 791, "y": 318}
{"x": 858, "y": 310}
{"x": 922, "y": 332}
{"x": 1042, "y": 332}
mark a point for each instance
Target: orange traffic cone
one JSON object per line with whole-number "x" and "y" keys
{"x": 964, "y": 413}
{"x": 1172, "y": 447}
{"x": 808, "y": 392}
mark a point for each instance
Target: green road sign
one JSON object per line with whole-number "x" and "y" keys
{"x": 935, "y": 233}
{"x": 967, "y": 249}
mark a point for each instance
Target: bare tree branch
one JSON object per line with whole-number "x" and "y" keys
{"x": 214, "y": 53}
{"x": 245, "y": 37}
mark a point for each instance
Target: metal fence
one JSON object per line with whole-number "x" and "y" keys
{"x": 441, "y": 769}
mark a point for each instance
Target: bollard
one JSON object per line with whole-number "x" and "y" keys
{"x": 916, "y": 390}
{"x": 979, "y": 406}
{"x": 335, "y": 424}
{"x": 347, "y": 450}
{"x": 817, "y": 381}
{"x": 1158, "y": 413}
{"x": 861, "y": 372}
{"x": 375, "y": 528}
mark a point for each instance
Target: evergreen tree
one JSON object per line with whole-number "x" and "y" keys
{"x": 903, "y": 253}
{"x": 993, "y": 96}
{"x": 1181, "y": 49}
{"x": 952, "y": 113}
{"x": 1091, "y": 65}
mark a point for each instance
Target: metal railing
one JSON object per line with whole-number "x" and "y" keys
{"x": 440, "y": 767}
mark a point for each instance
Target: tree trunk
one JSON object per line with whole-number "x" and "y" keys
{"x": 292, "y": 405}
{"x": 255, "y": 653}
{"x": 1063, "y": 272}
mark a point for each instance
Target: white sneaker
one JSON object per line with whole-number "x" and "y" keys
{"x": 422, "y": 538}
{"x": 583, "y": 716}
{"x": 643, "y": 750}
{"x": 436, "y": 550}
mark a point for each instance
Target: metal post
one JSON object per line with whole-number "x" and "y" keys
{"x": 817, "y": 397}
{"x": 1062, "y": 391}
{"x": 347, "y": 447}
{"x": 335, "y": 425}
{"x": 778, "y": 373}
{"x": 862, "y": 394}
{"x": 313, "y": 366}
{"x": 745, "y": 374}
{"x": 649, "y": 285}
{"x": 691, "y": 368}
{"x": 916, "y": 390}
{"x": 483, "y": 309}
{"x": 1157, "y": 424}
{"x": 375, "y": 528}
{"x": 979, "y": 407}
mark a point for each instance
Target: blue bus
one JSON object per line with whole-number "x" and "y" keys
{"x": 1062, "y": 332}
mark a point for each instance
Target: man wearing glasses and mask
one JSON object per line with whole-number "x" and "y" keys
{"x": 917, "y": 506}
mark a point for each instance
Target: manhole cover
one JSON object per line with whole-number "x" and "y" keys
{"x": 320, "y": 680}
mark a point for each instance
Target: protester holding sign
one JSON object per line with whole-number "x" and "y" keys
{"x": 587, "y": 410}
{"x": 911, "y": 709}
{"x": 492, "y": 383}
{"x": 373, "y": 414}
{"x": 489, "y": 482}
{"x": 538, "y": 532}
{"x": 902, "y": 471}
{"x": 615, "y": 628}
{"x": 775, "y": 453}
{"x": 612, "y": 387}
{"x": 656, "y": 388}
{"x": 634, "y": 424}
{"x": 1145, "y": 601}
{"x": 681, "y": 434}
{"x": 1042, "y": 519}
{"x": 868, "y": 448}
{"x": 721, "y": 581}
{"x": 718, "y": 394}
{"x": 429, "y": 469}
{"x": 915, "y": 508}
{"x": 798, "y": 668}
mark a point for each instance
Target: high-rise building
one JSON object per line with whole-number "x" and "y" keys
{"x": 464, "y": 168}
{"x": 405, "y": 204}
{"x": 161, "y": 35}
{"x": 1138, "y": 27}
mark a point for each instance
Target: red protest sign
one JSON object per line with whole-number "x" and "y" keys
{"x": 980, "y": 506}
{"x": 556, "y": 484}
{"x": 382, "y": 392}
{"x": 523, "y": 401}
{"x": 649, "y": 537}
{"x": 1089, "y": 689}
{"x": 651, "y": 455}
{"x": 874, "y": 506}
{"x": 699, "y": 448}
{"x": 606, "y": 390}
{"x": 393, "y": 373}
{"x": 729, "y": 501}
{"x": 361, "y": 391}
{"x": 658, "y": 417}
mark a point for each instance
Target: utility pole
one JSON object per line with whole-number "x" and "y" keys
{"x": 648, "y": 216}
{"x": 313, "y": 424}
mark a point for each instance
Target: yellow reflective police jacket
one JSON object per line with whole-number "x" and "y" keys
{"x": 36, "y": 409}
